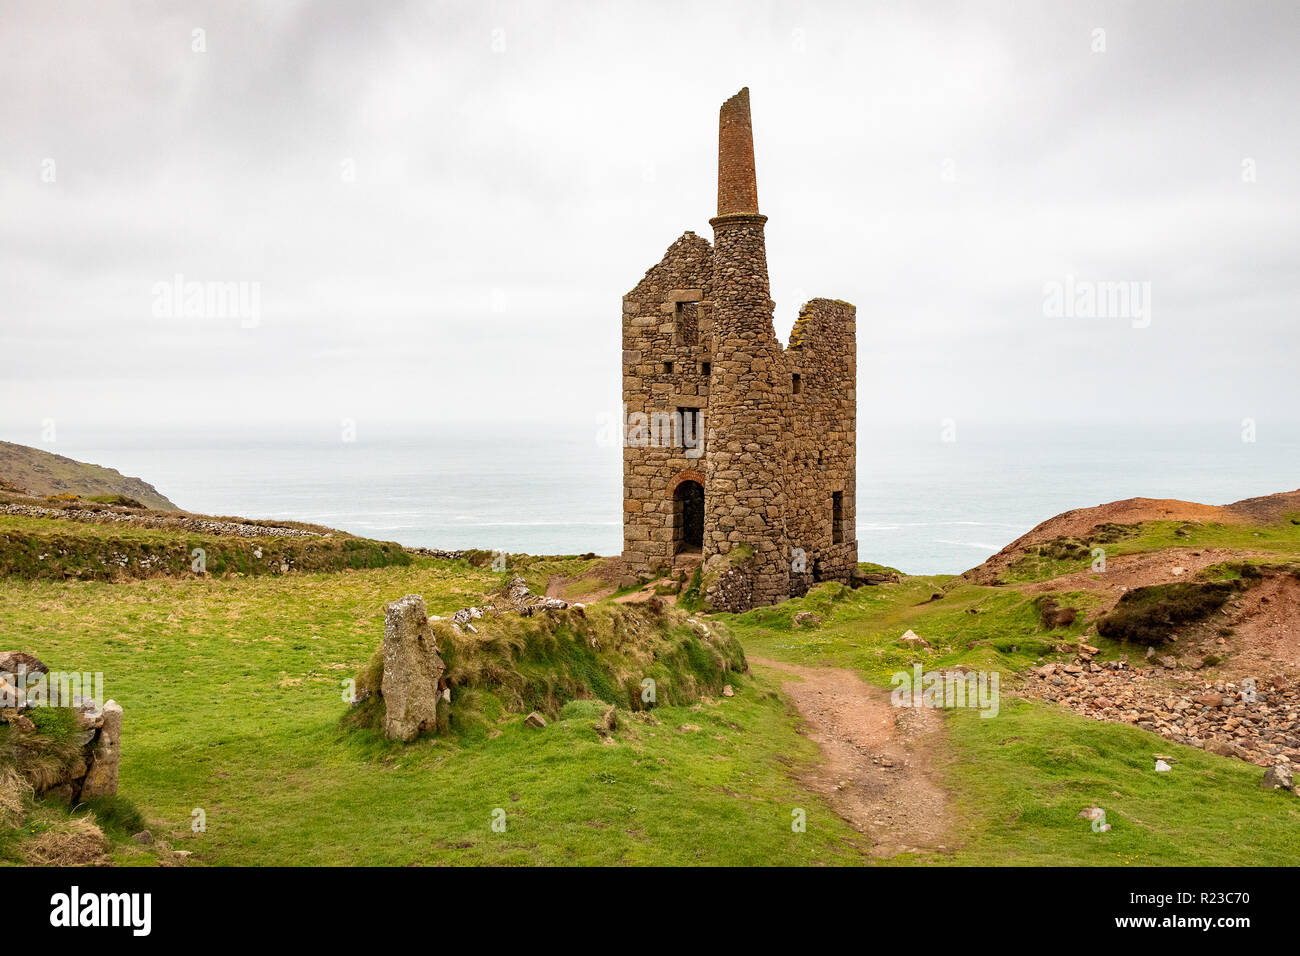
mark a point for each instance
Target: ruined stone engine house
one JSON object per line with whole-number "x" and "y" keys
{"x": 737, "y": 453}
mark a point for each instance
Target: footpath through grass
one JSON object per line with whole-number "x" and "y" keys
{"x": 1018, "y": 780}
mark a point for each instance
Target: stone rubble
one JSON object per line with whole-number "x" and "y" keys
{"x": 517, "y": 599}
{"x": 1217, "y": 716}
{"x": 95, "y": 773}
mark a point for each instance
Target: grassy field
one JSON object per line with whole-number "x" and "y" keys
{"x": 233, "y": 692}
{"x": 1020, "y": 780}
{"x": 233, "y": 695}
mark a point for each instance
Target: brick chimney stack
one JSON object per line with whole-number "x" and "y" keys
{"x": 737, "y": 184}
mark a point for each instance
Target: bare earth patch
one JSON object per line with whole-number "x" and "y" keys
{"x": 1266, "y": 630}
{"x": 876, "y": 769}
{"x": 1128, "y": 571}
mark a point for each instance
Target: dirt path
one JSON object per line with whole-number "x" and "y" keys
{"x": 876, "y": 767}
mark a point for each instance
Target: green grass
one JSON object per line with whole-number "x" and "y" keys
{"x": 233, "y": 695}
{"x": 1019, "y": 781}
{"x": 232, "y": 691}
{"x": 986, "y": 628}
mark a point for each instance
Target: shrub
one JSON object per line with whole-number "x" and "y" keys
{"x": 1053, "y": 615}
{"x": 1150, "y": 615}
{"x": 1062, "y": 549}
{"x": 122, "y": 500}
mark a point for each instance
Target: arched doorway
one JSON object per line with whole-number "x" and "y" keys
{"x": 688, "y": 517}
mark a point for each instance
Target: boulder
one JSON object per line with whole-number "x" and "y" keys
{"x": 535, "y": 720}
{"x": 608, "y": 722}
{"x": 412, "y": 670}
{"x": 1278, "y": 777}
{"x": 806, "y": 618}
{"x": 912, "y": 639}
{"x": 1222, "y": 748}
{"x": 101, "y": 781}
{"x": 1054, "y": 617}
{"x": 11, "y": 662}
{"x": 517, "y": 594}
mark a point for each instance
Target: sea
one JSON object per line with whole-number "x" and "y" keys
{"x": 931, "y": 499}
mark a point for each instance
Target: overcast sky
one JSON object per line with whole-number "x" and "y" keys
{"x": 440, "y": 205}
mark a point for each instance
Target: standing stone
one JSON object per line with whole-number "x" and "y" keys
{"x": 412, "y": 669}
{"x": 101, "y": 780}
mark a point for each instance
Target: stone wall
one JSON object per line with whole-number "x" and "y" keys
{"x": 674, "y": 297}
{"x": 91, "y": 769}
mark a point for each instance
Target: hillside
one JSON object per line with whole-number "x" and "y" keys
{"x": 1108, "y": 524}
{"x": 44, "y": 473}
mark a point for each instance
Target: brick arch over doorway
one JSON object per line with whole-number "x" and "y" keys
{"x": 687, "y": 475}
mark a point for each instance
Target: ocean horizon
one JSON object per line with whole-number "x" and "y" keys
{"x": 925, "y": 505}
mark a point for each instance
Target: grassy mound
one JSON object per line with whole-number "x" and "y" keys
{"x": 605, "y": 652}
{"x": 42, "y": 758}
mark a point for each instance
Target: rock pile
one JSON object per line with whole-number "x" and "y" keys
{"x": 1259, "y": 724}
{"x": 90, "y": 773}
{"x": 516, "y": 599}
{"x": 437, "y": 553}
